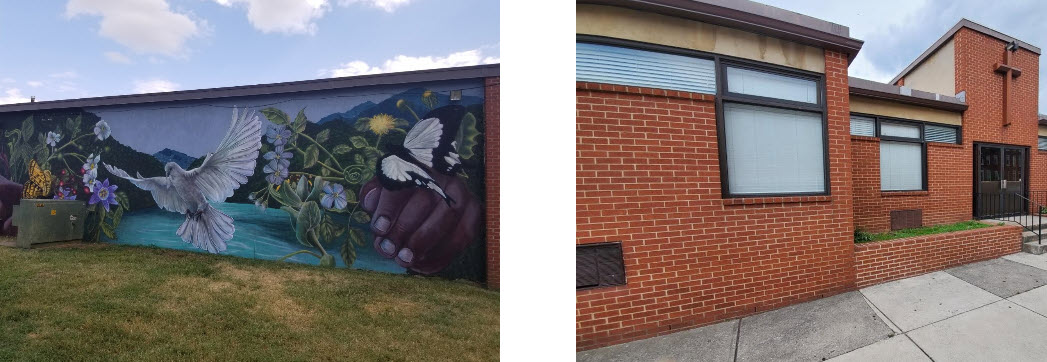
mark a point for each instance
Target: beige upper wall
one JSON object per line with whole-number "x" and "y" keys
{"x": 887, "y": 108}
{"x": 1042, "y": 131}
{"x": 646, "y": 27}
{"x": 937, "y": 74}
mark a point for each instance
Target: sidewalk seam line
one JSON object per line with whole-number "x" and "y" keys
{"x": 919, "y": 347}
{"x": 738, "y": 337}
{"x": 957, "y": 315}
{"x": 877, "y": 308}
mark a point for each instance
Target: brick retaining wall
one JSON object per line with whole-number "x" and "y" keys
{"x": 881, "y": 261}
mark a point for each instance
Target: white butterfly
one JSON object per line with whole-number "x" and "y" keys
{"x": 429, "y": 144}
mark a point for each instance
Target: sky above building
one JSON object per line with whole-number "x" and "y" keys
{"x": 86, "y": 48}
{"x": 897, "y": 31}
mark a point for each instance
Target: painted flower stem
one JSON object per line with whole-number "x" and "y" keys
{"x": 321, "y": 163}
{"x": 326, "y": 178}
{"x": 73, "y": 142}
{"x": 300, "y": 252}
{"x": 319, "y": 146}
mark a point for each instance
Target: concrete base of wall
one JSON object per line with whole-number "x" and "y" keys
{"x": 1034, "y": 248}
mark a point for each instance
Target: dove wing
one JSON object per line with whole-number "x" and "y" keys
{"x": 233, "y": 162}
{"x": 161, "y": 188}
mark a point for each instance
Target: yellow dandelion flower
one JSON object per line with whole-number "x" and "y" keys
{"x": 381, "y": 123}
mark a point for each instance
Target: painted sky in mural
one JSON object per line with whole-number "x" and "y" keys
{"x": 384, "y": 178}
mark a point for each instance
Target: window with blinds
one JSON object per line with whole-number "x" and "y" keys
{"x": 627, "y": 66}
{"x": 863, "y": 126}
{"x": 1042, "y": 143}
{"x": 941, "y": 134}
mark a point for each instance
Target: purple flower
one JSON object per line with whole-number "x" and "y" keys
{"x": 64, "y": 194}
{"x": 53, "y": 138}
{"x": 102, "y": 130}
{"x": 278, "y": 158}
{"x": 104, "y": 193}
{"x": 277, "y": 134}
{"x": 277, "y": 173}
{"x": 334, "y": 195}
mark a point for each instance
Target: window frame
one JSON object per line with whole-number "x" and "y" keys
{"x": 720, "y": 63}
{"x": 723, "y": 95}
{"x": 922, "y": 141}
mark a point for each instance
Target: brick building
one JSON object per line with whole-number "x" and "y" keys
{"x": 725, "y": 160}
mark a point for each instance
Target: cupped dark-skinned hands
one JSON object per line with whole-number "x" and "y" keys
{"x": 416, "y": 227}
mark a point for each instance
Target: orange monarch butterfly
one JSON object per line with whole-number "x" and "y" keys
{"x": 39, "y": 184}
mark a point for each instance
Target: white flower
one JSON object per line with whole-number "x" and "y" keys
{"x": 102, "y": 130}
{"x": 91, "y": 163}
{"x": 89, "y": 179}
{"x": 53, "y": 138}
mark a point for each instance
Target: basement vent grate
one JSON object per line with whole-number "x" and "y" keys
{"x": 599, "y": 265}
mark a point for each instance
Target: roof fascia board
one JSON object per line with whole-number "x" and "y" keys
{"x": 741, "y": 16}
{"x": 432, "y": 75}
{"x": 868, "y": 88}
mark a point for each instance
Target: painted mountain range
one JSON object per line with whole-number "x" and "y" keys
{"x": 168, "y": 155}
{"x": 388, "y": 106}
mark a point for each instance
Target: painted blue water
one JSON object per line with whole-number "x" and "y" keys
{"x": 259, "y": 234}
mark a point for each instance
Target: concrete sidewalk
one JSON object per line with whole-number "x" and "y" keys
{"x": 994, "y": 310}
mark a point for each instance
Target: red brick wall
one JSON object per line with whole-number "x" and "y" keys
{"x": 976, "y": 55}
{"x": 647, "y": 174}
{"x": 882, "y": 261}
{"x": 492, "y": 166}
{"x": 948, "y": 195}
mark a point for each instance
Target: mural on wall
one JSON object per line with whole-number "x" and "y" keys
{"x": 381, "y": 178}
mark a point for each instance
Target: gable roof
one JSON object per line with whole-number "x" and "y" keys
{"x": 963, "y": 23}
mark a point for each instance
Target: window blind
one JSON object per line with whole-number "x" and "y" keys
{"x": 745, "y": 81}
{"x": 901, "y": 166}
{"x": 626, "y": 66}
{"x": 940, "y": 134}
{"x": 771, "y": 150}
{"x": 863, "y": 126}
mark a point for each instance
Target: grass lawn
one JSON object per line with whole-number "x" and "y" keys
{"x": 120, "y": 303}
{"x": 863, "y": 237}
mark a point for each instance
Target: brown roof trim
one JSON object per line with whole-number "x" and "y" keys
{"x": 751, "y": 16}
{"x": 432, "y": 75}
{"x": 963, "y": 23}
{"x": 871, "y": 89}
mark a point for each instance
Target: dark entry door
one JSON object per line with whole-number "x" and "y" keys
{"x": 1000, "y": 171}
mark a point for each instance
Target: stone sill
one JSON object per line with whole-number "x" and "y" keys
{"x": 904, "y": 193}
{"x": 776, "y": 200}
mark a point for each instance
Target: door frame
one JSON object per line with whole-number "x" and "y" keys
{"x": 976, "y": 166}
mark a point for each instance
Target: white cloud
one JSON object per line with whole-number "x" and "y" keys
{"x": 403, "y": 63}
{"x": 13, "y": 95}
{"x": 154, "y": 86}
{"x": 387, "y": 5}
{"x": 7, "y": 80}
{"x": 118, "y": 57}
{"x": 35, "y": 83}
{"x": 282, "y": 16}
{"x": 144, "y": 26}
{"x": 298, "y": 16}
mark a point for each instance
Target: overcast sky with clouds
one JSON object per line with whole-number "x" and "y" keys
{"x": 84, "y": 48}
{"x": 897, "y": 31}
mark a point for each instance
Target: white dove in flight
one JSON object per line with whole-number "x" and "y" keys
{"x": 188, "y": 192}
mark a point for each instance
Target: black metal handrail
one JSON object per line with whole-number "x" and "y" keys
{"x": 1015, "y": 207}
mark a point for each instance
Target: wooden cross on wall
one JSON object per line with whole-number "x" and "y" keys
{"x": 1009, "y": 73}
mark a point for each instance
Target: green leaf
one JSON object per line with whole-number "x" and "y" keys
{"x": 359, "y": 159}
{"x": 363, "y": 124}
{"x": 117, "y": 215}
{"x": 108, "y": 230}
{"x": 275, "y": 115}
{"x": 358, "y": 142}
{"x": 361, "y": 217}
{"x": 348, "y": 254}
{"x": 327, "y": 260}
{"x": 466, "y": 138}
{"x": 355, "y": 237}
{"x": 27, "y": 128}
{"x": 286, "y": 196}
{"x": 342, "y": 149}
{"x": 308, "y": 219}
{"x": 300, "y": 121}
{"x": 318, "y": 186}
{"x": 325, "y": 171}
{"x": 293, "y": 213}
{"x": 323, "y": 136}
{"x": 302, "y": 189}
{"x": 72, "y": 126}
{"x": 311, "y": 155}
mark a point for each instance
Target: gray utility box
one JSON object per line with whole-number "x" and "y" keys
{"x": 45, "y": 220}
